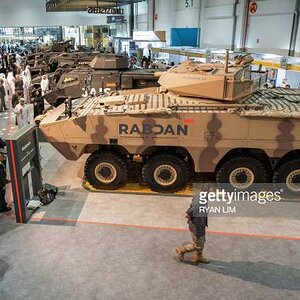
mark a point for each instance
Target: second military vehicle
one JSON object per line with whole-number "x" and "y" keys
{"x": 106, "y": 71}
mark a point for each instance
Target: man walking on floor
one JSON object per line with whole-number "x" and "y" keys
{"x": 22, "y": 113}
{"x": 197, "y": 220}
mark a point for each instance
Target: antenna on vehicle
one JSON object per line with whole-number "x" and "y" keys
{"x": 69, "y": 107}
{"x": 226, "y": 61}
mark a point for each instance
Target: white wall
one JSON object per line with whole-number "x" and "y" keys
{"x": 187, "y": 17}
{"x": 297, "y": 48}
{"x": 270, "y": 27}
{"x": 165, "y": 16}
{"x": 174, "y": 14}
{"x": 217, "y": 24}
{"x": 213, "y": 16}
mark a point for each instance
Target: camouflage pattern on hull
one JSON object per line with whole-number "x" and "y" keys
{"x": 207, "y": 131}
{"x": 243, "y": 133}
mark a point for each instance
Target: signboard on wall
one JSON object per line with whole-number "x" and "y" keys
{"x": 185, "y": 37}
{"x": 283, "y": 62}
{"x": 272, "y": 76}
{"x": 252, "y": 7}
{"x": 115, "y": 19}
{"x": 208, "y": 55}
{"x": 149, "y": 36}
{"x": 105, "y": 11}
{"x": 189, "y": 3}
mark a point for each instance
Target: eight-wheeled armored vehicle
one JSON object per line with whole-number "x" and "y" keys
{"x": 202, "y": 118}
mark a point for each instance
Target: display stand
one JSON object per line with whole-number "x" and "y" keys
{"x": 25, "y": 169}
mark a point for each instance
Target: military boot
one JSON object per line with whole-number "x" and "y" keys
{"x": 180, "y": 251}
{"x": 199, "y": 258}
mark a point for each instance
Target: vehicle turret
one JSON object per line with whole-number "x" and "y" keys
{"x": 229, "y": 82}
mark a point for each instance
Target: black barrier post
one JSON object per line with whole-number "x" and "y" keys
{"x": 25, "y": 169}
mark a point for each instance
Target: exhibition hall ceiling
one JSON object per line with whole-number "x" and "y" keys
{"x": 82, "y": 5}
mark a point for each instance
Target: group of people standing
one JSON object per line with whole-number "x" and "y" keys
{"x": 15, "y": 46}
{"x": 17, "y": 90}
{"x": 13, "y": 80}
{"x": 26, "y": 101}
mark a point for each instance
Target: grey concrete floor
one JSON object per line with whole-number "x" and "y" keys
{"x": 121, "y": 246}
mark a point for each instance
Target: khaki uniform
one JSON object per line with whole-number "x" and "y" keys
{"x": 197, "y": 224}
{"x": 196, "y": 246}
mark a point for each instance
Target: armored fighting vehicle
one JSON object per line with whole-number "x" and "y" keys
{"x": 105, "y": 71}
{"x": 203, "y": 118}
{"x": 58, "y": 63}
{"x": 62, "y": 46}
{"x": 41, "y": 63}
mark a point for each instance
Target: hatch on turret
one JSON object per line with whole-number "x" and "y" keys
{"x": 109, "y": 62}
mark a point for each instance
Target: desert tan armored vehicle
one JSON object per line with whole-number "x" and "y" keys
{"x": 106, "y": 71}
{"x": 203, "y": 118}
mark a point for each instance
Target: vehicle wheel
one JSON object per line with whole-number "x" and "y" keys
{"x": 105, "y": 170}
{"x": 165, "y": 173}
{"x": 287, "y": 177}
{"x": 242, "y": 172}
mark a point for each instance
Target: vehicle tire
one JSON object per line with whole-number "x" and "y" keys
{"x": 105, "y": 170}
{"x": 242, "y": 172}
{"x": 165, "y": 173}
{"x": 287, "y": 178}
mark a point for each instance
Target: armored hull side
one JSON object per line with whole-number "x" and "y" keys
{"x": 139, "y": 121}
{"x": 72, "y": 83}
